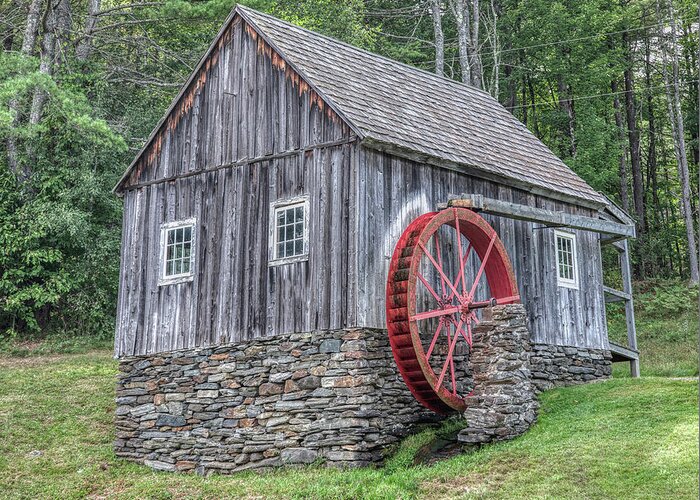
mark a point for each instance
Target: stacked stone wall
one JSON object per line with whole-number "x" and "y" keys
{"x": 558, "y": 366}
{"x": 503, "y": 404}
{"x": 333, "y": 396}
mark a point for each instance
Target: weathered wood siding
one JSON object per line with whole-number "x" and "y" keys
{"x": 246, "y": 104}
{"x": 247, "y": 132}
{"x": 392, "y": 191}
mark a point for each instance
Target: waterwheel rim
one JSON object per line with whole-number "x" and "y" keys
{"x": 457, "y": 294}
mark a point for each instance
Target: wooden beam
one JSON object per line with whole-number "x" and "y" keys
{"x": 547, "y": 217}
{"x": 622, "y": 353}
{"x": 615, "y": 295}
{"x": 615, "y": 241}
{"x": 244, "y": 161}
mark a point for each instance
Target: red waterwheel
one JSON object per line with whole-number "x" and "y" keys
{"x": 446, "y": 267}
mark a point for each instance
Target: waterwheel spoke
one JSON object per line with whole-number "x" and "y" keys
{"x": 435, "y": 337}
{"x": 483, "y": 266}
{"x": 439, "y": 268}
{"x": 433, "y": 313}
{"x": 464, "y": 334}
{"x": 462, "y": 265}
{"x": 459, "y": 252}
{"x": 452, "y": 366}
{"x": 449, "y": 356}
{"x": 427, "y": 285}
{"x": 439, "y": 258}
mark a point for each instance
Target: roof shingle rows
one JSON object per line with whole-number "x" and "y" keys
{"x": 394, "y": 103}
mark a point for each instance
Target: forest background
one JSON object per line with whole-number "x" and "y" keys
{"x": 610, "y": 86}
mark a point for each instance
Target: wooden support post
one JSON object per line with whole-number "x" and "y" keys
{"x": 629, "y": 306}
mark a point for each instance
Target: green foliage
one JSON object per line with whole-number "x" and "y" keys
{"x": 659, "y": 299}
{"x": 59, "y": 228}
{"x": 408, "y": 451}
{"x": 666, "y": 314}
{"x": 594, "y": 441}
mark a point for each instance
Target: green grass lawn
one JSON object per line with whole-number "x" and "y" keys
{"x": 666, "y": 316}
{"x": 623, "y": 438}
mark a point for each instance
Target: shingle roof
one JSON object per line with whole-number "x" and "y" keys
{"x": 393, "y": 103}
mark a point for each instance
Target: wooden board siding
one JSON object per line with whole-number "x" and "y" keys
{"x": 392, "y": 191}
{"x": 245, "y": 102}
{"x": 248, "y": 131}
{"x": 248, "y": 106}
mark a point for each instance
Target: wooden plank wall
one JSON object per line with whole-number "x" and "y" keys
{"x": 393, "y": 191}
{"x": 249, "y": 105}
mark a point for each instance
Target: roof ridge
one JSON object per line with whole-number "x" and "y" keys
{"x": 369, "y": 52}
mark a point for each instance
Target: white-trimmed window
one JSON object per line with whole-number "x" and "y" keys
{"x": 567, "y": 272}
{"x": 177, "y": 244}
{"x": 289, "y": 228}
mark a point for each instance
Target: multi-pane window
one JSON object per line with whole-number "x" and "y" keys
{"x": 289, "y": 230}
{"x": 177, "y": 251}
{"x": 566, "y": 259}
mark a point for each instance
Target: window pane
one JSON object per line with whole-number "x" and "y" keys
{"x": 187, "y": 249}
{"x": 186, "y": 266}
{"x": 169, "y": 268}
{"x": 280, "y": 217}
{"x": 188, "y": 233}
{"x": 280, "y": 233}
{"x": 178, "y": 251}
{"x": 565, "y": 258}
{"x": 299, "y": 230}
{"x": 177, "y": 266}
{"x": 280, "y": 250}
{"x": 171, "y": 236}
{"x": 169, "y": 252}
{"x": 289, "y": 248}
{"x": 298, "y": 247}
{"x": 299, "y": 213}
{"x": 289, "y": 213}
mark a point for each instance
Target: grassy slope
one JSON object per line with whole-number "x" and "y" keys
{"x": 666, "y": 316}
{"x": 623, "y": 438}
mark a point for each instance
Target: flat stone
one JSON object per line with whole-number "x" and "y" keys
{"x": 330, "y": 345}
{"x": 269, "y": 389}
{"x": 157, "y": 465}
{"x": 205, "y": 394}
{"x": 298, "y": 456}
{"x": 170, "y": 420}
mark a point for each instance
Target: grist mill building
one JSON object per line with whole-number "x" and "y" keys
{"x": 260, "y": 223}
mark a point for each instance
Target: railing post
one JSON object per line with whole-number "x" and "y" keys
{"x": 629, "y": 305}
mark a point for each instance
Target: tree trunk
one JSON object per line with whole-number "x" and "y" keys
{"x": 624, "y": 195}
{"x": 436, "y": 11}
{"x": 675, "y": 113}
{"x": 652, "y": 163}
{"x": 48, "y": 55}
{"x": 477, "y": 79}
{"x": 633, "y": 134}
{"x": 492, "y": 35}
{"x": 84, "y": 48}
{"x": 460, "y": 10}
{"x": 31, "y": 32}
{"x": 567, "y": 105}
{"x": 512, "y": 88}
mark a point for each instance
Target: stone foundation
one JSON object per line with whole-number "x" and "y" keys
{"x": 503, "y": 404}
{"x": 557, "y": 366}
{"x": 333, "y": 396}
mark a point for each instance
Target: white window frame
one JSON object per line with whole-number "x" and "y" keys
{"x": 164, "y": 229}
{"x": 275, "y": 207}
{"x": 561, "y": 281}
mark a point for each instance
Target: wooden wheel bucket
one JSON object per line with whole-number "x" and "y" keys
{"x": 446, "y": 267}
